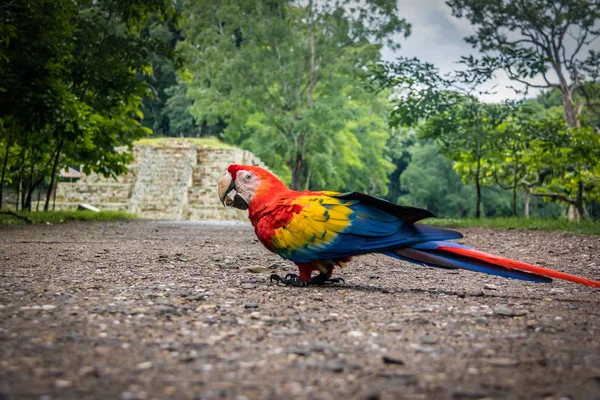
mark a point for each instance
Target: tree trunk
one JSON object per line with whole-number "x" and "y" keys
{"x": 30, "y": 189}
{"x": 527, "y": 203}
{"x": 30, "y": 194}
{"x": 296, "y": 166}
{"x": 30, "y": 186}
{"x": 570, "y": 111}
{"x": 478, "y": 201}
{"x": 21, "y": 190}
{"x": 479, "y": 139}
{"x": 18, "y": 196}
{"x": 53, "y": 176}
{"x": 313, "y": 66}
{"x": 478, "y": 189}
{"x": 4, "y": 164}
{"x": 54, "y": 196}
{"x": 307, "y": 185}
{"x": 576, "y": 210}
{"x": 39, "y": 195}
{"x": 514, "y": 190}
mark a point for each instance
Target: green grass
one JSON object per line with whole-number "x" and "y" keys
{"x": 210, "y": 141}
{"x": 61, "y": 217}
{"x": 585, "y": 227}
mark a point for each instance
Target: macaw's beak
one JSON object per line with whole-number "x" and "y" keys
{"x": 226, "y": 186}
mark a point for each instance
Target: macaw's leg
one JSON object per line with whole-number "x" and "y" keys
{"x": 325, "y": 269}
{"x": 305, "y": 278}
{"x": 293, "y": 279}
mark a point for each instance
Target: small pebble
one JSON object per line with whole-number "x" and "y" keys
{"x": 334, "y": 366}
{"x": 475, "y": 293}
{"x": 508, "y": 312}
{"x": 503, "y": 362}
{"x": 248, "y": 286}
{"x": 429, "y": 339}
{"x": 356, "y": 334}
{"x": 228, "y": 265}
{"x": 144, "y": 365}
{"x": 62, "y": 383}
{"x": 256, "y": 269}
{"x": 299, "y": 351}
{"x": 393, "y": 358}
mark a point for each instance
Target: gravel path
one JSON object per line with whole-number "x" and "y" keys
{"x": 150, "y": 310}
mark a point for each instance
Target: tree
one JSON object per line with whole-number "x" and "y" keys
{"x": 462, "y": 126}
{"x": 163, "y": 76}
{"x": 550, "y": 141}
{"x": 399, "y": 144}
{"x": 567, "y": 161}
{"x": 512, "y": 159}
{"x": 528, "y": 38}
{"x": 431, "y": 182}
{"x": 466, "y": 133}
{"x": 282, "y": 72}
{"x": 34, "y": 52}
{"x": 71, "y": 92}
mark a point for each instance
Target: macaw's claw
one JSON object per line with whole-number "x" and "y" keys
{"x": 294, "y": 280}
{"x": 322, "y": 279}
{"x": 290, "y": 280}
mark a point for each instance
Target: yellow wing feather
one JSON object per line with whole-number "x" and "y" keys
{"x": 315, "y": 226}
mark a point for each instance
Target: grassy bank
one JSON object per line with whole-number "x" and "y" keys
{"x": 585, "y": 227}
{"x": 61, "y": 217}
{"x": 209, "y": 141}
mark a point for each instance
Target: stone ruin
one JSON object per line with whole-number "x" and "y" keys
{"x": 171, "y": 180}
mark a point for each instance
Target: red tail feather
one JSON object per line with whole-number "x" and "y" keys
{"x": 512, "y": 264}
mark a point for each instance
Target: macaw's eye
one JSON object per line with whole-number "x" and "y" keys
{"x": 248, "y": 176}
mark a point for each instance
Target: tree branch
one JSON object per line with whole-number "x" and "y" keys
{"x": 555, "y": 196}
{"x": 515, "y": 77}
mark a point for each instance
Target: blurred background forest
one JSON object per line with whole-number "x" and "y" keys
{"x": 304, "y": 86}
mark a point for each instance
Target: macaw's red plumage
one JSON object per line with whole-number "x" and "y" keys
{"x": 321, "y": 230}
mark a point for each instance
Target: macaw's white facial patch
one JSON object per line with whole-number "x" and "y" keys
{"x": 246, "y": 184}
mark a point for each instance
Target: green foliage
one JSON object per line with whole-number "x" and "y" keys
{"x": 399, "y": 153}
{"x": 71, "y": 91}
{"x": 586, "y": 227}
{"x": 286, "y": 78}
{"x": 431, "y": 183}
{"x": 534, "y": 37}
{"x": 571, "y": 160}
{"x": 290, "y": 82}
{"x": 525, "y": 148}
{"x": 61, "y": 217}
{"x": 463, "y": 127}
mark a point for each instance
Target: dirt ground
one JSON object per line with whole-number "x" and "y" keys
{"x": 155, "y": 310}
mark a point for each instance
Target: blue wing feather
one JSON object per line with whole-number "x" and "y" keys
{"x": 371, "y": 230}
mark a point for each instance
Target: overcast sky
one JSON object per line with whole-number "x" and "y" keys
{"x": 437, "y": 37}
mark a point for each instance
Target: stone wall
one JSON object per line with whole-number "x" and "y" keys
{"x": 175, "y": 180}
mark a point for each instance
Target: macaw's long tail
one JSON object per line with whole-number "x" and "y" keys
{"x": 449, "y": 255}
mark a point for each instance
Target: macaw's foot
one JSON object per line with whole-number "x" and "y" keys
{"x": 290, "y": 280}
{"x": 322, "y": 279}
{"x": 294, "y": 280}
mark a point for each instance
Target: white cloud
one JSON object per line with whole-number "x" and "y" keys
{"x": 438, "y": 38}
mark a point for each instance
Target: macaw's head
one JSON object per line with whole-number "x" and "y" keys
{"x": 249, "y": 182}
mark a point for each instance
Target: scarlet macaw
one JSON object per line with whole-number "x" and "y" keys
{"x": 321, "y": 230}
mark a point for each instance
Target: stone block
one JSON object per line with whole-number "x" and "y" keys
{"x": 176, "y": 180}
